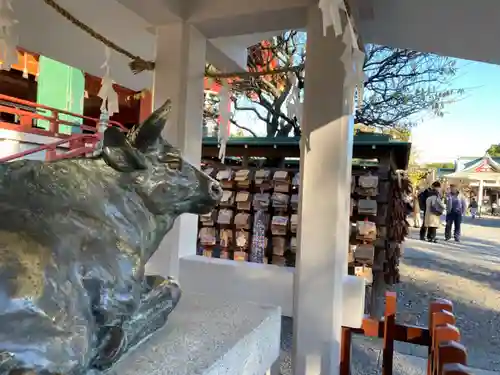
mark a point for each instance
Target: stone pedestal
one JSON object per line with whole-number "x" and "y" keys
{"x": 204, "y": 336}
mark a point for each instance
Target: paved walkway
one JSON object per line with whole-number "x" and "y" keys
{"x": 467, "y": 273}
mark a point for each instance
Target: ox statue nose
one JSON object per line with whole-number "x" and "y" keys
{"x": 215, "y": 191}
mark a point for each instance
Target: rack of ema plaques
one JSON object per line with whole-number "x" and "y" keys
{"x": 257, "y": 219}
{"x": 207, "y": 336}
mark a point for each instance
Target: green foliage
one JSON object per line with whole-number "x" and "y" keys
{"x": 416, "y": 176}
{"x": 399, "y": 133}
{"x": 440, "y": 165}
{"x": 494, "y": 150}
{"x": 238, "y": 133}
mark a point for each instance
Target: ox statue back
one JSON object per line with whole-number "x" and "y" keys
{"x": 75, "y": 236}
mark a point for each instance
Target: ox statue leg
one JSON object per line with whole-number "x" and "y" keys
{"x": 159, "y": 299}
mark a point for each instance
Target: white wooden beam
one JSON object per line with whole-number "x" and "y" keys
{"x": 471, "y": 28}
{"x": 157, "y": 12}
{"x": 179, "y": 72}
{"x": 220, "y": 18}
{"x": 325, "y": 170}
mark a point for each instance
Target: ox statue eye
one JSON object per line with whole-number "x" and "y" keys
{"x": 172, "y": 161}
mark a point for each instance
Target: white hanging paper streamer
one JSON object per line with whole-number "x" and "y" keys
{"x": 352, "y": 34}
{"x": 353, "y": 60}
{"x": 224, "y": 117}
{"x": 330, "y": 10}
{"x": 347, "y": 60}
{"x": 358, "y": 58}
{"x": 350, "y": 79}
{"x": 107, "y": 93}
{"x": 292, "y": 104}
{"x": 26, "y": 73}
{"x": 8, "y": 40}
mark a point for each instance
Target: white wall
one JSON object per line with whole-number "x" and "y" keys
{"x": 9, "y": 147}
{"x": 12, "y": 142}
{"x": 263, "y": 284}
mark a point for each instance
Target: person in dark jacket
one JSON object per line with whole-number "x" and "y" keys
{"x": 473, "y": 208}
{"x": 455, "y": 210}
{"x": 422, "y": 199}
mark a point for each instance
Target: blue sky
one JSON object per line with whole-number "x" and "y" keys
{"x": 469, "y": 126}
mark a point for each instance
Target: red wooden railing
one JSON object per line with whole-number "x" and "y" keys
{"x": 28, "y": 115}
{"x": 446, "y": 356}
{"x": 78, "y": 145}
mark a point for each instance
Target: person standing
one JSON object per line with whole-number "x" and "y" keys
{"x": 422, "y": 200}
{"x": 434, "y": 208}
{"x": 455, "y": 210}
{"x": 416, "y": 210}
{"x": 473, "y": 208}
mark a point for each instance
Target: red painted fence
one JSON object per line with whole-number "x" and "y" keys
{"x": 447, "y": 356}
{"x": 28, "y": 114}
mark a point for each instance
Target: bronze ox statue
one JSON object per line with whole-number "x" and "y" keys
{"x": 75, "y": 236}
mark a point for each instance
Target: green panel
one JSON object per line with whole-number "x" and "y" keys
{"x": 62, "y": 87}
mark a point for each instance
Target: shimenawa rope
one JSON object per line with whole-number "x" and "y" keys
{"x": 137, "y": 64}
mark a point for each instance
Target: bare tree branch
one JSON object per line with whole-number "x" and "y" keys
{"x": 401, "y": 84}
{"x": 252, "y": 109}
{"x": 243, "y": 128}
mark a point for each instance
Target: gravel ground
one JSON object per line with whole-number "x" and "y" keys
{"x": 467, "y": 273}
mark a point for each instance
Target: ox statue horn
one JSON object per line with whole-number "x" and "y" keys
{"x": 145, "y": 135}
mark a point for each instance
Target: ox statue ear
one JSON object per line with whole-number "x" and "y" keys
{"x": 145, "y": 135}
{"x": 118, "y": 154}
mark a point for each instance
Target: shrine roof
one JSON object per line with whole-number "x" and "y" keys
{"x": 443, "y": 172}
{"x": 365, "y": 146}
{"x": 471, "y": 162}
{"x": 485, "y": 168}
{"x": 485, "y": 162}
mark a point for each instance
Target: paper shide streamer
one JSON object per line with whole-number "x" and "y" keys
{"x": 292, "y": 104}
{"x": 352, "y": 58}
{"x": 107, "y": 93}
{"x": 224, "y": 118}
{"x": 331, "y": 11}
{"x": 8, "y": 38}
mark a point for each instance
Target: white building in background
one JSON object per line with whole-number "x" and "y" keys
{"x": 482, "y": 174}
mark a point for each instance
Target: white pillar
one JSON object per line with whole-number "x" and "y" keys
{"x": 179, "y": 72}
{"x": 480, "y": 194}
{"x": 326, "y": 158}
